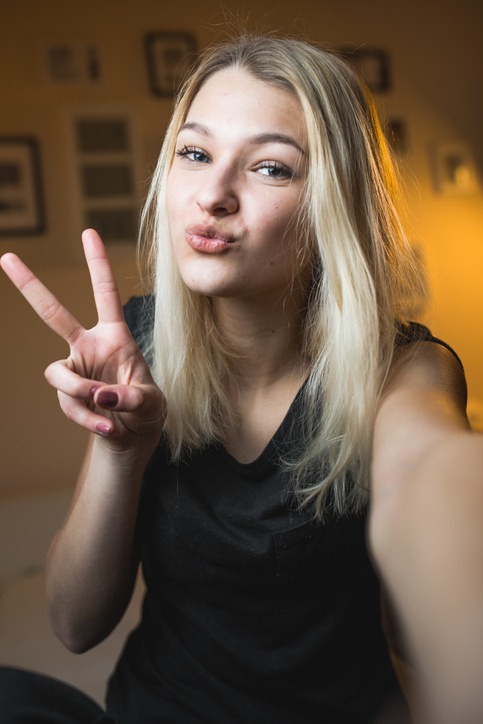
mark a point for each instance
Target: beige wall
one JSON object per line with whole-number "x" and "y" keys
{"x": 435, "y": 49}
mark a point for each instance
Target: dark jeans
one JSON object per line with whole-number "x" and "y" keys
{"x": 31, "y": 698}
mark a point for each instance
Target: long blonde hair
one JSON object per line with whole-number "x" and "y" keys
{"x": 365, "y": 277}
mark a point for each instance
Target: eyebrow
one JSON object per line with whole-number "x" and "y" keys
{"x": 258, "y": 139}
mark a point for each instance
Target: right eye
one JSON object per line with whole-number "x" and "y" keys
{"x": 192, "y": 154}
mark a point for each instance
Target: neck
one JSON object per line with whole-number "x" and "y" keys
{"x": 269, "y": 369}
{"x": 265, "y": 338}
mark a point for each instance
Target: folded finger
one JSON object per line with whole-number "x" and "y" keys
{"x": 60, "y": 376}
{"x": 41, "y": 299}
{"x": 77, "y": 411}
{"x": 142, "y": 408}
{"x": 121, "y": 398}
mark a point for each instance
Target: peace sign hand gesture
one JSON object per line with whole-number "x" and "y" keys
{"x": 104, "y": 385}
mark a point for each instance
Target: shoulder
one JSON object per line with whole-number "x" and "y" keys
{"x": 422, "y": 361}
{"x": 423, "y": 405}
{"x": 425, "y": 385}
{"x": 416, "y": 332}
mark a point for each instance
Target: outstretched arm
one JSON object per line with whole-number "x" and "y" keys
{"x": 105, "y": 386}
{"x": 426, "y": 529}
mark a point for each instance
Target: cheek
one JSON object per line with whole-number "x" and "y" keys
{"x": 172, "y": 199}
{"x": 280, "y": 226}
{"x": 176, "y": 199}
{"x": 274, "y": 218}
{"x": 169, "y": 201}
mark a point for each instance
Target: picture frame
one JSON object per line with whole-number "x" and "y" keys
{"x": 169, "y": 56}
{"x": 372, "y": 64}
{"x": 21, "y": 200}
{"x": 70, "y": 63}
{"x": 106, "y": 179}
{"x": 454, "y": 169}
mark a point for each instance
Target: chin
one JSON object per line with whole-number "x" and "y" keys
{"x": 211, "y": 284}
{"x": 219, "y": 291}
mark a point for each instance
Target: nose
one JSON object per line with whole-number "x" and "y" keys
{"x": 217, "y": 195}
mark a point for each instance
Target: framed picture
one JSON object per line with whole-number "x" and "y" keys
{"x": 371, "y": 63}
{"x": 454, "y": 169}
{"x": 21, "y": 204}
{"x": 70, "y": 63}
{"x": 107, "y": 178}
{"x": 169, "y": 57}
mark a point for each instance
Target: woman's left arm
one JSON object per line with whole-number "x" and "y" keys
{"x": 426, "y": 528}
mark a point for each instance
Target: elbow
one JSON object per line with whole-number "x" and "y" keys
{"x": 74, "y": 645}
{"x": 77, "y": 633}
{"x": 82, "y": 624}
{"x": 77, "y": 641}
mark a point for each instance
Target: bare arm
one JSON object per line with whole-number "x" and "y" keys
{"x": 92, "y": 561}
{"x": 105, "y": 386}
{"x": 426, "y": 529}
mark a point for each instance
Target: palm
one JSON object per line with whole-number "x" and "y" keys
{"x": 105, "y": 353}
{"x": 103, "y": 360}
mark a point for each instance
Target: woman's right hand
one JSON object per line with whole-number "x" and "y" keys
{"x": 104, "y": 384}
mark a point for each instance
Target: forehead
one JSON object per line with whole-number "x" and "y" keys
{"x": 234, "y": 96}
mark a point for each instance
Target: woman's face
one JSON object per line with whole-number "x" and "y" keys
{"x": 236, "y": 187}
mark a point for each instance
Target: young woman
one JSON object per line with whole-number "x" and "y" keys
{"x": 287, "y": 389}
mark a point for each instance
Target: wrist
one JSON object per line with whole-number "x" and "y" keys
{"x": 129, "y": 455}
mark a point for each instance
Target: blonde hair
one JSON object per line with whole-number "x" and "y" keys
{"x": 365, "y": 278}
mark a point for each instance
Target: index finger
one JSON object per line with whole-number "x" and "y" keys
{"x": 41, "y": 299}
{"x": 104, "y": 286}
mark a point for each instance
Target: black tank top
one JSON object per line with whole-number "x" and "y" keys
{"x": 255, "y": 612}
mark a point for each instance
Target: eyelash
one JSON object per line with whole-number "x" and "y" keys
{"x": 185, "y": 151}
{"x": 286, "y": 173}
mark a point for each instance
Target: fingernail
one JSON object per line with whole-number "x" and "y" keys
{"x": 103, "y": 428}
{"x": 94, "y": 390}
{"x": 107, "y": 398}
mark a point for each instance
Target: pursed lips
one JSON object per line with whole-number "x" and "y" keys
{"x": 208, "y": 239}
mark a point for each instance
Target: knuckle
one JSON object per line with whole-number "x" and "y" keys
{"x": 53, "y": 368}
{"x": 48, "y": 373}
{"x": 132, "y": 399}
{"x": 106, "y": 287}
{"x": 72, "y": 408}
{"x": 50, "y": 369}
{"x": 65, "y": 403}
{"x": 50, "y": 310}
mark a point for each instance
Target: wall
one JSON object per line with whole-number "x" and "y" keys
{"x": 435, "y": 50}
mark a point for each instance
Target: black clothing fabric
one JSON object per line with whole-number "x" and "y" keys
{"x": 30, "y": 698}
{"x": 255, "y": 612}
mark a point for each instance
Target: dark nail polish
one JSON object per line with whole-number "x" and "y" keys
{"x": 106, "y": 398}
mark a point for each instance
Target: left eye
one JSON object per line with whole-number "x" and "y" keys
{"x": 274, "y": 170}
